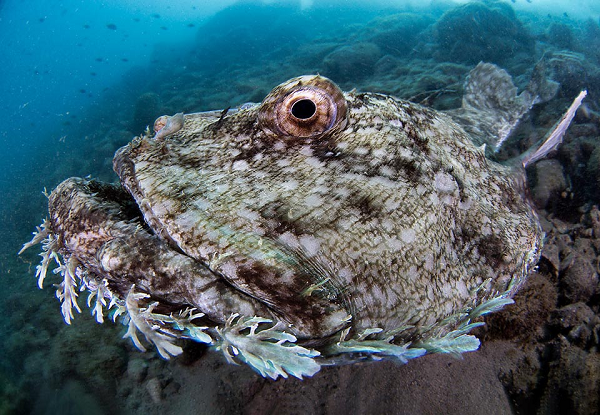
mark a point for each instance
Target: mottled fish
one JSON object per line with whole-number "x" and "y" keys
{"x": 315, "y": 227}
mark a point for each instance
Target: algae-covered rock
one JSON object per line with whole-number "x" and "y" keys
{"x": 351, "y": 62}
{"x": 551, "y": 182}
{"x": 561, "y": 36}
{"x": 593, "y": 170}
{"x": 478, "y": 32}
{"x": 396, "y": 34}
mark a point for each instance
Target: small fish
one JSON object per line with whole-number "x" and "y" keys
{"x": 111, "y": 26}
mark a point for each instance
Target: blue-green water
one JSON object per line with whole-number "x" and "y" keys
{"x": 79, "y": 79}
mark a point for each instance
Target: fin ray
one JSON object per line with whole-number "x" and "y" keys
{"x": 554, "y": 137}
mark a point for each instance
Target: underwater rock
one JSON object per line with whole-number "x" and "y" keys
{"x": 438, "y": 86}
{"x": 352, "y": 62}
{"x": 561, "y": 36}
{"x": 570, "y": 70}
{"x": 551, "y": 253}
{"x": 595, "y": 219}
{"x": 396, "y": 34}
{"x": 580, "y": 157}
{"x": 477, "y": 32}
{"x": 593, "y": 171}
{"x": 592, "y": 40}
{"x": 550, "y": 182}
{"x": 155, "y": 390}
{"x": 524, "y": 320}
{"x": 573, "y": 381}
{"x": 579, "y": 280}
{"x": 578, "y": 323}
{"x": 387, "y": 64}
{"x": 137, "y": 369}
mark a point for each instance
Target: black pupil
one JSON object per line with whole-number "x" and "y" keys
{"x": 304, "y": 109}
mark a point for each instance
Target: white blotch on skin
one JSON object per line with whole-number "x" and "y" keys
{"x": 311, "y": 244}
{"x": 391, "y": 205}
{"x": 421, "y": 189}
{"x": 378, "y": 180}
{"x": 428, "y": 263}
{"x": 394, "y": 244}
{"x": 240, "y": 165}
{"x": 306, "y": 151}
{"x": 461, "y": 288}
{"x": 249, "y": 215}
{"x": 202, "y": 204}
{"x": 289, "y": 239}
{"x": 342, "y": 192}
{"x": 313, "y": 200}
{"x": 289, "y": 185}
{"x": 287, "y": 277}
{"x": 285, "y": 162}
{"x": 433, "y": 199}
{"x": 345, "y": 224}
{"x": 388, "y": 225}
{"x": 387, "y": 171}
{"x": 221, "y": 188}
{"x": 314, "y": 162}
{"x": 353, "y": 254}
{"x": 342, "y": 145}
{"x": 109, "y": 263}
{"x": 379, "y": 153}
{"x": 465, "y": 205}
{"x": 444, "y": 182}
{"x": 234, "y": 152}
{"x": 228, "y": 268}
{"x": 345, "y": 274}
{"x": 279, "y": 145}
{"x": 412, "y": 273}
{"x": 408, "y": 235}
{"x": 205, "y": 251}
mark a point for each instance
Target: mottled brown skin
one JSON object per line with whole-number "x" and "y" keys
{"x": 371, "y": 212}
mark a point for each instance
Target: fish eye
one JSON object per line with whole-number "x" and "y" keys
{"x": 305, "y": 107}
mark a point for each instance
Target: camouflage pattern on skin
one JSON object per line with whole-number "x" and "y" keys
{"x": 354, "y": 222}
{"x": 397, "y": 216}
